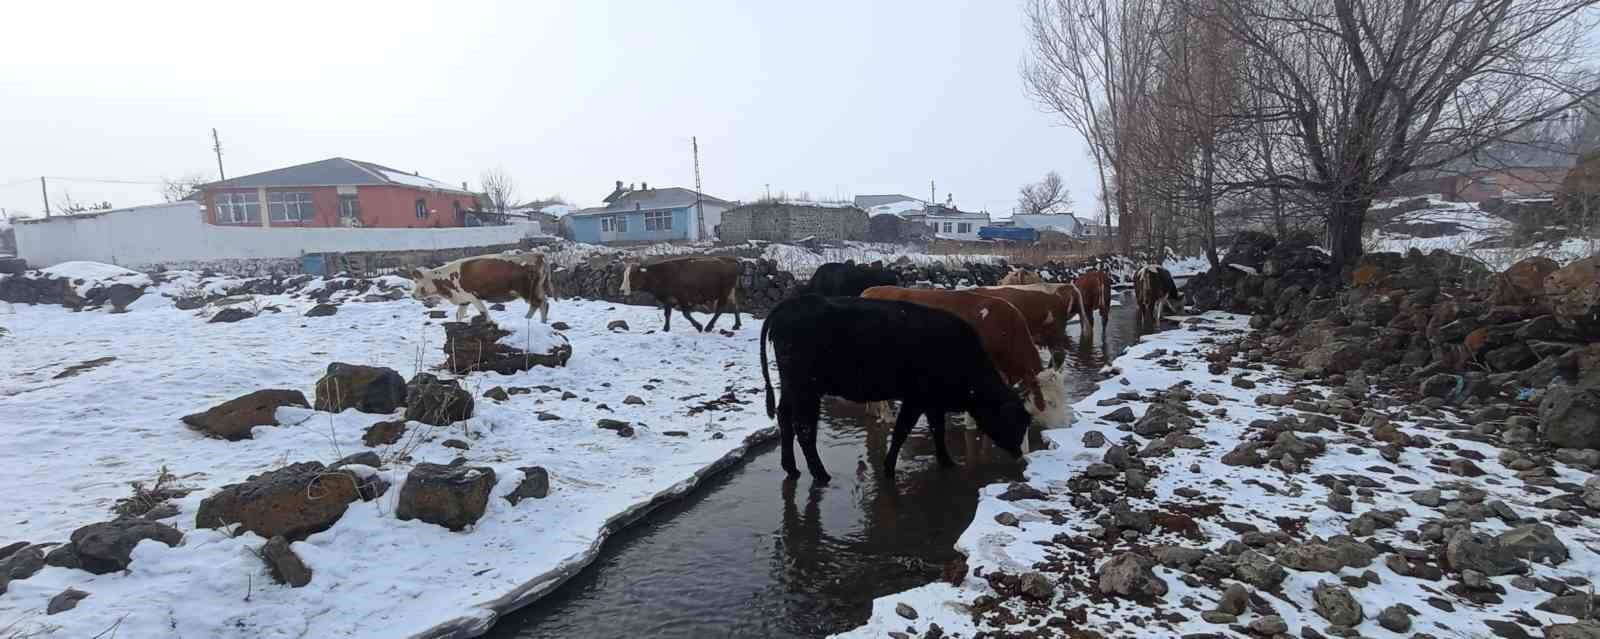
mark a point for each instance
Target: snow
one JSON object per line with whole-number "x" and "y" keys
{"x": 417, "y": 180}
{"x": 1243, "y": 495}
{"x": 557, "y": 210}
{"x": 85, "y": 437}
{"x": 897, "y": 208}
{"x": 86, "y": 276}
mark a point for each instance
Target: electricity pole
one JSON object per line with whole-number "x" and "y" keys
{"x": 44, "y": 192}
{"x": 931, "y": 198}
{"x": 699, "y": 209}
{"x": 216, "y": 145}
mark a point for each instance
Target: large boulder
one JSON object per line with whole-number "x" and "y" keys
{"x": 1130, "y": 575}
{"x": 451, "y": 496}
{"x": 108, "y": 546}
{"x": 1573, "y": 292}
{"x": 119, "y": 296}
{"x": 1475, "y": 551}
{"x": 21, "y": 563}
{"x": 476, "y": 346}
{"x": 369, "y": 389}
{"x": 431, "y": 400}
{"x": 1337, "y": 605}
{"x": 233, "y": 419}
{"x": 294, "y": 502}
{"x": 1534, "y": 542}
{"x": 1523, "y": 283}
{"x": 1569, "y": 417}
{"x": 1339, "y": 356}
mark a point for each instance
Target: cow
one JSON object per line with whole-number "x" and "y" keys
{"x": 1094, "y": 291}
{"x": 849, "y": 279}
{"x": 683, "y": 282}
{"x": 1019, "y": 275}
{"x": 496, "y": 278}
{"x": 1154, "y": 290}
{"x": 866, "y": 350}
{"x": 1004, "y": 333}
{"x": 1046, "y": 315}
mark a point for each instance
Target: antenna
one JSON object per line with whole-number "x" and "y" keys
{"x": 699, "y": 210}
{"x": 216, "y": 145}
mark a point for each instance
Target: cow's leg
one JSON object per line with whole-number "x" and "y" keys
{"x": 1161, "y": 305}
{"x": 685, "y": 310}
{"x": 544, "y": 310}
{"x": 482, "y": 309}
{"x": 716, "y": 312}
{"x": 909, "y": 412}
{"x": 733, "y": 304}
{"x": 786, "y": 431}
{"x": 461, "y": 312}
{"x": 667, "y": 309}
{"x": 806, "y": 413}
{"x": 936, "y": 424}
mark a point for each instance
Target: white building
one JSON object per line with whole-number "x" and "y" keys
{"x": 953, "y": 224}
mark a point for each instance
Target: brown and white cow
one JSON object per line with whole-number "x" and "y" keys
{"x": 1155, "y": 291}
{"x": 1005, "y": 336}
{"x": 1083, "y": 295}
{"x": 496, "y": 278}
{"x": 684, "y": 282}
{"x": 1046, "y": 314}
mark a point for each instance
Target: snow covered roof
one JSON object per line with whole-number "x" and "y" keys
{"x": 651, "y": 200}
{"x": 869, "y": 202}
{"x": 335, "y": 172}
{"x": 898, "y": 207}
{"x": 1064, "y": 223}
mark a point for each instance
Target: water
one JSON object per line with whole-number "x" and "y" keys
{"x": 755, "y": 554}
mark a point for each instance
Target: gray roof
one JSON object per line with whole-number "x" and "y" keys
{"x": 671, "y": 197}
{"x": 334, "y": 172}
{"x": 1067, "y": 222}
{"x": 869, "y": 201}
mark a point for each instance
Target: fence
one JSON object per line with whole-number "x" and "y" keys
{"x": 169, "y": 234}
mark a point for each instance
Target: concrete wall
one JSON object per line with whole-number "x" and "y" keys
{"x": 162, "y": 234}
{"x": 788, "y": 222}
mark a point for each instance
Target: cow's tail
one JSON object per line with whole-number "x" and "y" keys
{"x": 766, "y": 378}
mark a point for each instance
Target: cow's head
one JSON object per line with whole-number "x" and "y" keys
{"x": 422, "y": 286}
{"x": 1005, "y": 422}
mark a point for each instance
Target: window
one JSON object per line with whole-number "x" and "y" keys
{"x": 658, "y": 221}
{"x": 238, "y": 208}
{"x": 613, "y": 224}
{"x": 349, "y": 207}
{"x": 947, "y": 226}
{"x": 290, "y": 207}
{"x": 422, "y": 209}
{"x": 963, "y": 228}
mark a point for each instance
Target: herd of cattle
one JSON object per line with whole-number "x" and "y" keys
{"x": 855, "y": 333}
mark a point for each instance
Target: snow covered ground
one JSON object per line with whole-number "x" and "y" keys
{"x": 73, "y": 443}
{"x": 1470, "y": 229}
{"x": 1053, "y": 534}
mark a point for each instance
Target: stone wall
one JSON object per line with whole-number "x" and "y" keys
{"x": 778, "y": 222}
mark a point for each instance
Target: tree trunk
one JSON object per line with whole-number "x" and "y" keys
{"x": 1344, "y": 229}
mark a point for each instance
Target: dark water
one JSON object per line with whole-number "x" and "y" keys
{"x": 754, "y": 554}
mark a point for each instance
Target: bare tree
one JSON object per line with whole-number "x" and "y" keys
{"x": 1048, "y": 196}
{"x": 174, "y": 189}
{"x": 499, "y": 191}
{"x": 1368, "y": 91}
{"x": 65, "y": 205}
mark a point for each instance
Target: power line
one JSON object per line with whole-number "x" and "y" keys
{"x": 103, "y": 180}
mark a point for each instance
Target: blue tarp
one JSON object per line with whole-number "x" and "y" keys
{"x": 1012, "y": 233}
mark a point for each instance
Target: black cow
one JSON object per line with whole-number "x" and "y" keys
{"x": 879, "y": 350}
{"x": 1155, "y": 290}
{"x": 849, "y": 279}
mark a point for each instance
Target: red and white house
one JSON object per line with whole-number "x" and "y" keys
{"x": 337, "y": 192}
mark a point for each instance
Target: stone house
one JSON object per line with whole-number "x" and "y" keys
{"x": 792, "y": 221}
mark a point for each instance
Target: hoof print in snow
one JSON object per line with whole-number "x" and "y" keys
{"x": 285, "y": 566}
{"x": 108, "y": 546}
{"x": 616, "y": 325}
{"x": 230, "y": 315}
{"x": 535, "y": 484}
{"x": 233, "y": 419}
{"x": 369, "y": 389}
{"x": 431, "y": 400}
{"x": 623, "y": 429}
{"x": 476, "y": 346}
{"x": 498, "y": 394}
{"x": 295, "y": 501}
{"x": 65, "y": 600}
{"x": 322, "y": 310}
{"x": 451, "y": 496}
{"x": 384, "y": 433}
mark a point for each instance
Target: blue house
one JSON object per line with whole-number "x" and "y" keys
{"x": 645, "y": 215}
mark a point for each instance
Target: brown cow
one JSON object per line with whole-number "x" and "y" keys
{"x": 1046, "y": 315}
{"x": 1005, "y": 336}
{"x": 686, "y": 281}
{"x": 1019, "y": 275}
{"x": 1094, "y": 289}
{"x": 472, "y": 280}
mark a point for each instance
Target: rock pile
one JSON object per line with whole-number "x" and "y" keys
{"x": 476, "y": 346}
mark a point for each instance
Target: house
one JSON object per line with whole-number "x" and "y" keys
{"x": 336, "y": 192}
{"x": 904, "y": 206}
{"x": 646, "y": 215}
{"x": 791, "y": 221}
{"x": 1059, "y": 223}
{"x": 950, "y": 223}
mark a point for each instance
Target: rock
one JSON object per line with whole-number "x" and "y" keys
{"x": 1511, "y": 357}
{"x": 1245, "y": 454}
{"x": 1396, "y": 618}
{"x": 623, "y": 429}
{"x": 1018, "y": 490}
{"x": 1130, "y": 575}
{"x": 1334, "y": 603}
{"x": 1037, "y": 587}
{"x": 107, "y": 547}
{"x": 617, "y": 325}
{"x": 633, "y": 400}
{"x": 1218, "y": 617}
{"x": 455, "y": 443}
{"x": 64, "y": 601}
{"x": 119, "y": 296}
{"x": 384, "y": 433}
{"x": 1157, "y": 421}
{"x": 294, "y": 502}
{"x": 1338, "y": 356}
{"x": 1569, "y": 417}
{"x": 498, "y": 394}
{"x": 369, "y": 389}
{"x": 230, "y": 315}
{"x": 1100, "y": 470}
{"x": 1340, "y": 503}
{"x": 1269, "y": 626}
{"x": 1006, "y": 519}
{"x": 1534, "y": 542}
{"x": 363, "y": 458}
{"x": 476, "y": 346}
{"x": 1431, "y": 497}
{"x": 431, "y": 400}
{"x": 1234, "y": 600}
{"x": 535, "y": 484}
{"x": 322, "y": 310}
{"x": 1093, "y": 439}
{"x": 1135, "y": 480}
{"x": 1122, "y": 415}
{"x": 285, "y": 566}
{"x": 232, "y": 420}
{"x": 560, "y": 326}
{"x": 1581, "y": 605}
{"x": 450, "y": 496}
{"x": 1440, "y": 385}
{"x": 20, "y": 563}
{"x": 1179, "y": 557}
{"x": 1310, "y": 556}
{"x": 905, "y": 611}
{"x": 1580, "y": 630}
{"x": 1573, "y": 293}
{"x": 1469, "y": 551}
{"x": 1258, "y": 570}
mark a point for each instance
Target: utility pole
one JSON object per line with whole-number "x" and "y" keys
{"x": 44, "y": 192}
{"x": 932, "y": 199}
{"x": 216, "y": 145}
{"x": 699, "y": 209}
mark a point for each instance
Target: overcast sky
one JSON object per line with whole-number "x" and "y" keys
{"x": 827, "y": 97}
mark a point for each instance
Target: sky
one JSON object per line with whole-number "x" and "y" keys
{"x": 827, "y": 98}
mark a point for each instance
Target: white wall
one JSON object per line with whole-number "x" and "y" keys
{"x": 164, "y": 233}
